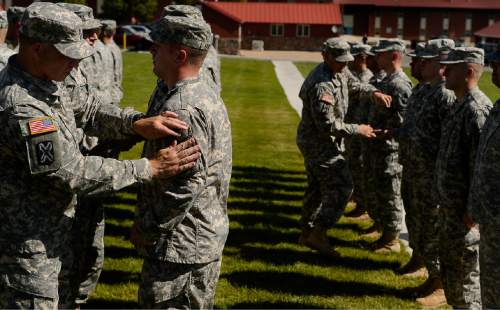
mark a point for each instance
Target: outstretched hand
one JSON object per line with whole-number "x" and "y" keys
{"x": 382, "y": 99}
{"x": 164, "y": 125}
{"x": 174, "y": 159}
{"x": 366, "y": 131}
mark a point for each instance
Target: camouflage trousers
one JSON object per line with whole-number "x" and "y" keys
{"x": 422, "y": 215}
{"x": 88, "y": 254}
{"x": 489, "y": 258}
{"x": 369, "y": 184}
{"x": 329, "y": 188}
{"x": 166, "y": 285}
{"x": 384, "y": 190}
{"x": 14, "y": 299}
{"x": 459, "y": 258}
{"x": 355, "y": 157}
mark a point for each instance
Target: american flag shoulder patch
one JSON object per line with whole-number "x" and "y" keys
{"x": 41, "y": 125}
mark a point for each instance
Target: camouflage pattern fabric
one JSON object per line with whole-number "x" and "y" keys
{"x": 383, "y": 157}
{"x": 39, "y": 145}
{"x": 459, "y": 246}
{"x": 197, "y": 197}
{"x": 14, "y": 299}
{"x": 483, "y": 207}
{"x": 190, "y": 32}
{"x": 5, "y": 53}
{"x": 320, "y": 138}
{"x": 166, "y": 285}
{"x": 116, "y": 88}
{"x": 423, "y": 139}
{"x": 369, "y": 182}
{"x": 210, "y": 71}
{"x": 357, "y": 113}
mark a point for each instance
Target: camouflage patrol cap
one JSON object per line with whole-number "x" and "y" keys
{"x": 417, "y": 52}
{"x": 339, "y": 49}
{"x": 186, "y": 31}
{"x": 359, "y": 49}
{"x": 469, "y": 55}
{"x": 182, "y": 10}
{"x": 4, "y": 23}
{"x": 85, "y": 13}
{"x": 437, "y": 47}
{"x": 46, "y": 22}
{"x": 108, "y": 25}
{"x": 388, "y": 45}
{"x": 14, "y": 14}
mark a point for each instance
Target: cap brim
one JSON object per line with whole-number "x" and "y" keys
{"x": 344, "y": 58}
{"x": 451, "y": 62}
{"x": 92, "y": 24}
{"x": 75, "y": 50}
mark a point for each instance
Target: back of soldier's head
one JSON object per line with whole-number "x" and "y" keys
{"x": 182, "y": 11}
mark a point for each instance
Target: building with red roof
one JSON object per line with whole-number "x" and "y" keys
{"x": 419, "y": 20}
{"x": 280, "y": 26}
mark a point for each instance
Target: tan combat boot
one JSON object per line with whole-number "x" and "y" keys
{"x": 388, "y": 243}
{"x": 414, "y": 268}
{"x": 433, "y": 296}
{"x": 316, "y": 239}
{"x": 374, "y": 232}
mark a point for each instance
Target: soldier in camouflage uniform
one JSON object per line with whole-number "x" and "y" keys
{"x": 42, "y": 166}
{"x": 384, "y": 161}
{"x": 181, "y": 223}
{"x": 369, "y": 182}
{"x": 415, "y": 267}
{"x": 459, "y": 240}
{"x": 5, "y": 52}
{"x": 484, "y": 202}
{"x": 423, "y": 146}
{"x": 357, "y": 113}
{"x": 14, "y": 14}
{"x": 108, "y": 32}
{"x": 325, "y": 94}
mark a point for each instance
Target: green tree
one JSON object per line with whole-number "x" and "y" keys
{"x": 123, "y": 11}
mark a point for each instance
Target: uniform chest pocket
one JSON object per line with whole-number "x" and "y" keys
{"x": 43, "y": 145}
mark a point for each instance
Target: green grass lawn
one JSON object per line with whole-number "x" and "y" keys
{"x": 263, "y": 267}
{"x": 485, "y": 83}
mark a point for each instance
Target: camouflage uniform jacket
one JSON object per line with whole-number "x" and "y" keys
{"x": 358, "y": 111}
{"x": 116, "y": 87}
{"x": 92, "y": 69}
{"x": 402, "y": 134}
{"x": 5, "y": 53}
{"x": 399, "y": 87}
{"x": 42, "y": 173}
{"x": 186, "y": 217}
{"x": 457, "y": 150}
{"x": 210, "y": 71}
{"x": 325, "y": 100}
{"x": 428, "y": 119}
{"x": 484, "y": 201}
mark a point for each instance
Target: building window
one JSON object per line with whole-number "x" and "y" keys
{"x": 388, "y": 30}
{"x": 277, "y": 30}
{"x": 468, "y": 26}
{"x": 377, "y": 25}
{"x": 303, "y": 31}
{"x": 400, "y": 28}
{"x": 446, "y": 24}
{"x": 423, "y": 27}
{"x": 491, "y": 21}
{"x": 348, "y": 24}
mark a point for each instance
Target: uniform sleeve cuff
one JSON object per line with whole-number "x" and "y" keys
{"x": 143, "y": 170}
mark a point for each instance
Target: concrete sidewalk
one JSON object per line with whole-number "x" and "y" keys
{"x": 291, "y": 79}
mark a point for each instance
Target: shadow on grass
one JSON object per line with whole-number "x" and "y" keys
{"x": 263, "y": 207}
{"x": 119, "y": 214}
{"x": 118, "y": 277}
{"x": 273, "y": 305}
{"x": 290, "y": 257}
{"x": 116, "y": 230}
{"x": 265, "y": 219}
{"x": 99, "y": 303}
{"x": 300, "y": 284}
{"x": 119, "y": 252}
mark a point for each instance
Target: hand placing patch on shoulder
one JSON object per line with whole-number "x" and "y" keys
{"x": 326, "y": 97}
{"x": 42, "y": 143}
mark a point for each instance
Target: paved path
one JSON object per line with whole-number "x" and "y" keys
{"x": 291, "y": 79}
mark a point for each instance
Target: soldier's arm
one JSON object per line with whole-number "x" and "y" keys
{"x": 474, "y": 123}
{"x": 324, "y": 116}
{"x": 400, "y": 97}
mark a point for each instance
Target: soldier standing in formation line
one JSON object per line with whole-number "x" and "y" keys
{"x": 484, "y": 202}
{"x": 459, "y": 239}
{"x": 182, "y": 224}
